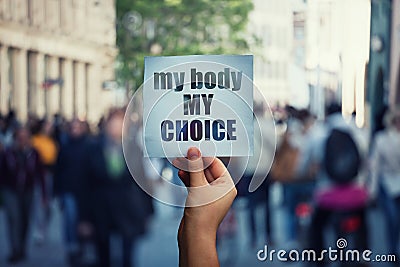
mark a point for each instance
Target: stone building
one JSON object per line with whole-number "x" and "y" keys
{"x": 271, "y": 21}
{"x": 337, "y": 45}
{"x": 56, "y": 56}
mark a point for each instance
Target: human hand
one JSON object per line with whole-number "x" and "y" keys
{"x": 211, "y": 192}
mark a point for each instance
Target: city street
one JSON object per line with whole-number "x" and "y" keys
{"x": 94, "y": 93}
{"x": 159, "y": 246}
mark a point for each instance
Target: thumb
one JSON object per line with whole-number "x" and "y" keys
{"x": 196, "y": 168}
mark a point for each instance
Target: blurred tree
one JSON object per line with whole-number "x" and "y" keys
{"x": 177, "y": 27}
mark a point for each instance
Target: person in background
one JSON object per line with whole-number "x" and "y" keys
{"x": 60, "y": 129}
{"x": 69, "y": 184}
{"x": 292, "y": 171}
{"x": 385, "y": 174}
{"x": 299, "y": 187}
{"x": 256, "y": 171}
{"x": 114, "y": 202}
{"x": 334, "y": 196}
{"x": 46, "y": 146}
{"x": 5, "y": 134}
{"x": 44, "y": 143}
{"x": 21, "y": 169}
{"x": 11, "y": 121}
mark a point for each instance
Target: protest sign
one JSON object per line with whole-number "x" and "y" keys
{"x": 203, "y": 101}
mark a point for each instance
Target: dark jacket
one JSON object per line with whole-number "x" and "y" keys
{"x": 69, "y": 174}
{"x": 20, "y": 170}
{"x": 114, "y": 203}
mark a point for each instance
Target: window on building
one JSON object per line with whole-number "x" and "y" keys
{"x": 279, "y": 71}
{"x": 299, "y": 33}
{"x": 29, "y": 7}
{"x": 64, "y": 13}
{"x": 268, "y": 69}
{"x": 278, "y": 75}
{"x": 2, "y": 10}
{"x": 8, "y": 4}
{"x": 264, "y": 35}
{"x": 284, "y": 70}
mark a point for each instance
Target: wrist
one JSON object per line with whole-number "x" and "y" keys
{"x": 204, "y": 222}
{"x": 197, "y": 236}
{"x": 197, "y": 228}
{"x": 191, "y": 241}
{"x": 198, "y": 248}
{"x": 189, "y": 230}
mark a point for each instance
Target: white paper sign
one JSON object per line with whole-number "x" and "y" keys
{"x": 202, "y": 101}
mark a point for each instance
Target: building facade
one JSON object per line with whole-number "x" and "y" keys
{"x": 300, "y": 91}
{"x": 271, "y": 21}
{"x": 313, "y": 52}
{"x": 337, "y": 53}
{"x": 55, "y": 56}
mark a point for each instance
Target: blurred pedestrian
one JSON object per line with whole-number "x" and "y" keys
{"x": 69, "y": 185}
{"x": 60, "y": 129}
{"x": 116, "y": 202}
{"x": 338, "y": 151}
{"x": 12, "y": 121}
{"x": 46, "y": 146}
{"x": 292, "y": 169}
{"x": 5, "y": 133}
{"x": 21, "y": 169}
{"x": 385, "y": 170}
{"x": 255, "y": 173}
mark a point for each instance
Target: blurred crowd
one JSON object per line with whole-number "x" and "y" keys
{"x": 85, "y": 171}
{"x": 331, "y": 173}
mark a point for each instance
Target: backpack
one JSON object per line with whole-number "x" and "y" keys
{"x": 286, "y": 159}
{"x": 342, "y": 159}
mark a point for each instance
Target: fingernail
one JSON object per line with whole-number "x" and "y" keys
{"x": 193, "y": 153}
